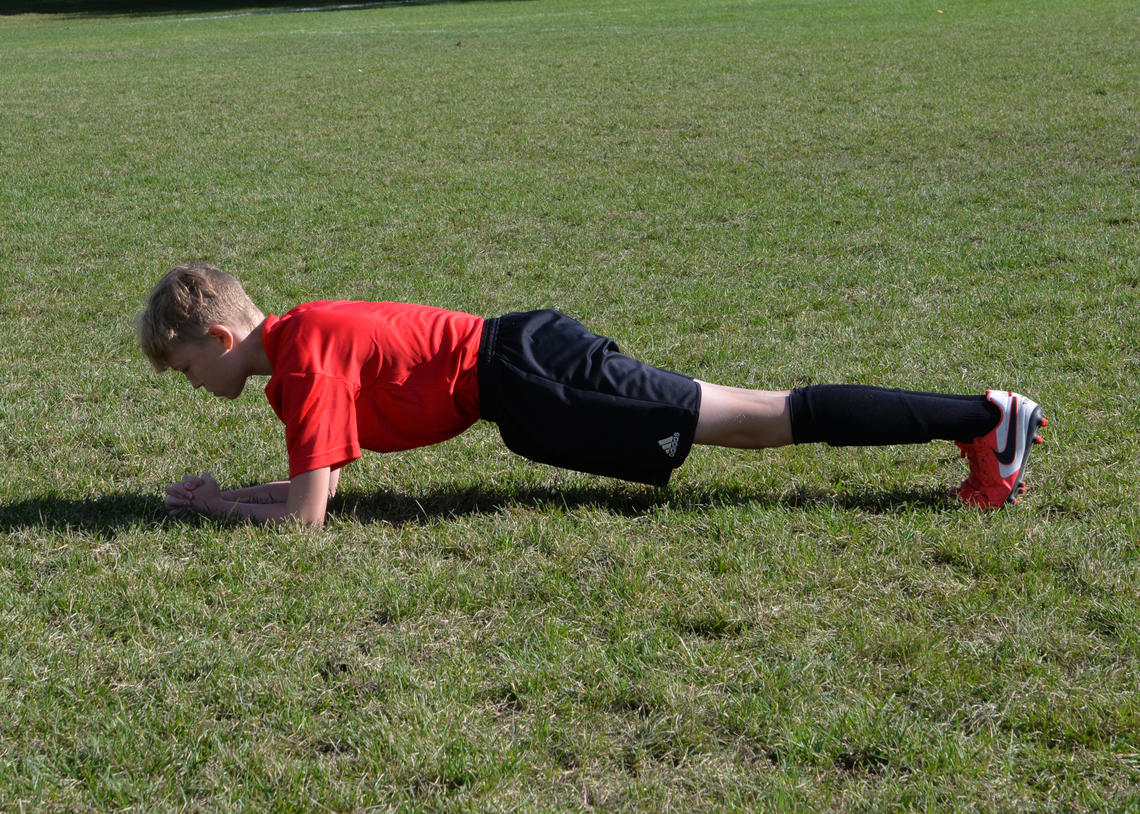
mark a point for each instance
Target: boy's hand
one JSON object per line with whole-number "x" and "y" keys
{"x": 180, "y": 495}
{"x": 205, "y": 496}
{"x": 194, "y": 492}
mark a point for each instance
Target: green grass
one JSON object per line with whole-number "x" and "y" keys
{"x": 942, "y": 196}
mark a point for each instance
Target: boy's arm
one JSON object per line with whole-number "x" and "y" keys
{"x": 275, "y": 492}
{"x": 305, "y": 498}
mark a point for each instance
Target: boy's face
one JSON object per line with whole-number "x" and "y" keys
{"x": 209, "y": 363}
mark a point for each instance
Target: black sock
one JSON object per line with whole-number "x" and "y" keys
{"x": 856, "y": 415}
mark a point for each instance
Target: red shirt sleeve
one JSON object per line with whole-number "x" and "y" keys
{"x": 319, "y": 413}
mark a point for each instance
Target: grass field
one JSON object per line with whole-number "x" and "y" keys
{"x": 938, "y": 195}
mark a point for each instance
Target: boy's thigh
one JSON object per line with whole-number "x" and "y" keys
{"x": 564, "y": 396}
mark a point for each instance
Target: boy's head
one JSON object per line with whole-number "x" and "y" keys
{"x": 186, "y": 303}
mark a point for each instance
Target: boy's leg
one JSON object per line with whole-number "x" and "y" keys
{"x": 745, "y": 419}
{"x": 995, "y": 431}
{"x": 846, "y": 415}
{"x": 839, "y": 415}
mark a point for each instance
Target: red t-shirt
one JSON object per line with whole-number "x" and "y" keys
{"x": 382, "y": 376}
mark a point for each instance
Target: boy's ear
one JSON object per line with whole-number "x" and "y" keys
{"x": 222, "y": 334}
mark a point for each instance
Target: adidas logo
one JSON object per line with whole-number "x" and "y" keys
{"x": 670, "y": 444}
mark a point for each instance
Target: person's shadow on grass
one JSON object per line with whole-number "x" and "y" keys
{"x": 108, "y": 515}
{"x": 399, "y": 508}
{"x": 103, "y": 516}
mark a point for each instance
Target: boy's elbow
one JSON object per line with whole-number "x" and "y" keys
{"x": 312, "y": 519}
{"x": 309, "y": 496}
{"x": 286, "y": 516}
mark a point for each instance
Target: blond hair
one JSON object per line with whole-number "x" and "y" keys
{"x": 185, "y": 303}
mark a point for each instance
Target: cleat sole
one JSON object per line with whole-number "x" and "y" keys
{"x": 1036, "y": 422}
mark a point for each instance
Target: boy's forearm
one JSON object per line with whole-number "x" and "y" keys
{"x": 275, "y": 492}
{"x": 264, "y": 513}
{"x": 306, "y": 499}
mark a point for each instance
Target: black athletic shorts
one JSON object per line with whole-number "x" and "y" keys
{"x": 567, "y": 397}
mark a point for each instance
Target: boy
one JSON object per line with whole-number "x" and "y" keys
{"x": 346, "y": 376}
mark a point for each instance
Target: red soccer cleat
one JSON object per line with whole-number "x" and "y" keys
{"x": 997, "y": 459}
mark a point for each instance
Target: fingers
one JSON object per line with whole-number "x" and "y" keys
{"x": 174, "y": 502}
{"x": 178, "y": 492}
{"x": 180, "y": 495}
{"x": 193, "y": 492}
{"x": 185, "y": 487}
